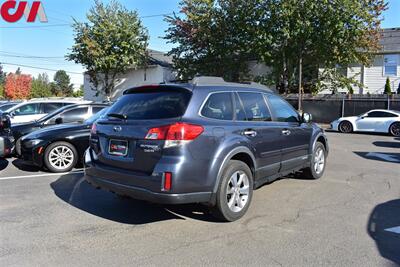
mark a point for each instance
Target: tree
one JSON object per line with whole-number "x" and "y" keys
{"x": 41, "y": 86}
{"x": 112, "y": 41}
{"x": 80, "y": 92}
{"x": 2, "y": 81}
{"x": 62, "y": 84}
{"x": 18, "y": 71}
{"x": 17, "y": 86}
{"x": 388, "y": 88}
{"x": 213, "y": 38}
{"x": 317, "y": 34}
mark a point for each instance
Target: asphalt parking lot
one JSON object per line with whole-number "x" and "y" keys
{"x": 347, "y": 218}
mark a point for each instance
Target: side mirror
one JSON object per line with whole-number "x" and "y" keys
{"x": 306, "y": 117}
{"x": 59, "y": 120}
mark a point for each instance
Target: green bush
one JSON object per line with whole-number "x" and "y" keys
{"x": 388, "y": 89}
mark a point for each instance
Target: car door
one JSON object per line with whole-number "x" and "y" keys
{"x": 26, "y": 113}
{"x": 374, "y": 121}
{"x": 255, "y": 122}
{"x": 296, "y": 135}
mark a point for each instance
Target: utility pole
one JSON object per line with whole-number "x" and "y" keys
{"x": 300, "y": 108}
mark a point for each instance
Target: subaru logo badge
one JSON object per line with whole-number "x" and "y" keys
{"x": 117, "y": 128}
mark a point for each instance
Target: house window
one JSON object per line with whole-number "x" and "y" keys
{"x": 390, "y": 65}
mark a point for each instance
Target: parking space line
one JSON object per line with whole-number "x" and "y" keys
{"x": 40, "y": 175}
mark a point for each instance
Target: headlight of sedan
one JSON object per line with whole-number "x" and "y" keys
{"x": 32, "y": 143}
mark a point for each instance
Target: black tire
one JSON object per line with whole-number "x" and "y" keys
{"x": 221, "y": 209}
{"x": 345, "y": 127}
{"x": 394, "y": 129}
{"x": 311, "y": 172}
{"x": 51, "y": 166}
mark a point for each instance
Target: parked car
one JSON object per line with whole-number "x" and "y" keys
{"x": 68, "y": 114}
{"x": 7, "y": 105}
{"x": 204, "y": 142}
{"x": 5, "y": 135}
{"x": 58, "y": 148}
{"x": 377, "y": 120}
{"x": 36, "y": 109}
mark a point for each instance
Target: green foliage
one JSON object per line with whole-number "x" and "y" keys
{"x": 112, "y": 41}
{"x": 62, "y": 84}
{"x": 219, "y": 37}
{"x": 388, "y": 88}
{"x": 2, "y": 91}
{"x": 80, "y": 92}
{"x": 41, "y": 86}
{"x": 2, "y": 75}
{"x": 214, "y": 37}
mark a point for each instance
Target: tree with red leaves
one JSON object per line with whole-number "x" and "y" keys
{"x": 18, "y": 86}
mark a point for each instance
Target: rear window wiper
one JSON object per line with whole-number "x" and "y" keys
{"x": 119, "y": 116}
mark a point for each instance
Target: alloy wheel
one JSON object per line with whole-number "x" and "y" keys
{"x": 319, "y": 161}
{"x": 237, "y": 191}
{"x": 395, "y": 129}
{"x": 61, "y": 157}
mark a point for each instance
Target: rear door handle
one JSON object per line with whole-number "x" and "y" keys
{"x": 286, "y": 132}
{"x": 250, "y": 133}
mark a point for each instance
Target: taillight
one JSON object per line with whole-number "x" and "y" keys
{"x": 175, "y": 132}
{"x": 94, "y": 129}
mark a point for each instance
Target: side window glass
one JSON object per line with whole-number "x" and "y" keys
{"x": 29, "y": 109}
{"x": 74, "y": 115}
{"x": 255, "y": 107}
{"x": 51, "y": 107}
{"x": 218, "y": 106}
{"x": 96, "y": 109}
{"x": 282, "y": 110}
{"x": 239, "y": 112}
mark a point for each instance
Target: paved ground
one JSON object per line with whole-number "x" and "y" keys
{"x": 339, "y": 220}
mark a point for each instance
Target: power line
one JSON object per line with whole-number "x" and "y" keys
{"x": 32, "y": 67}
{"x": 31, "y": 57}
{"x": 34, "y": 27}
{"x": 64, "y": 25}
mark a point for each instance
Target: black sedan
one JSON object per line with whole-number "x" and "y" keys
{"x": 58, "y": 148}
{"x": 68, "y": 114}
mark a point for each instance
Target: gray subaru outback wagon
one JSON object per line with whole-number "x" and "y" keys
{"x": 208, "y": 141}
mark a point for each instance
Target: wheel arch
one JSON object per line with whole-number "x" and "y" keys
{"x": 243, "y": 154}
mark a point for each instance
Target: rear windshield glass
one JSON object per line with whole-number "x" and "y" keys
{"x": 152, "y": 105}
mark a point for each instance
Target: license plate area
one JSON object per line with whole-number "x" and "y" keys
{"x": 118, "y": 147}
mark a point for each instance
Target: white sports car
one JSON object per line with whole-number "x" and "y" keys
{"x": 378, "y": 121}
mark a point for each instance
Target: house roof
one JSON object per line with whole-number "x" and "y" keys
{"x": 390, "y": 40}
{"x": 159, "y": 58}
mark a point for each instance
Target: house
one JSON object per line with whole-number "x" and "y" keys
{"x": 159, "y": 69}
{"x": 386, "y": 63}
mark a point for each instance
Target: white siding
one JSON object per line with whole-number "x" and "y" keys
{"x": 375, "y": 79}
{"x": 152, "y": 75}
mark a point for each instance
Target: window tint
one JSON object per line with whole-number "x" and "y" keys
{"x": 255, "y": 107}
{"x": 218, "y": 106}
{"x": 152, "y": 104}
{"x": 239, "y": 112}
{"x": 51, "y": 107}
{"x": 28, "y": 109}
{"x": 97, "y": 109}
{"x": 282, "y": 110}
{"x": 380, "y": 114}
{"x": 74, "y": 115}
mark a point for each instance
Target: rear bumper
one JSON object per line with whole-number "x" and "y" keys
{"x": 147, "y": 195}
{"x": 140, "y": 186}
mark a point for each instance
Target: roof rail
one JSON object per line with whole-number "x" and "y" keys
{"x": 201, "y": 80}
{"x": 211, "y": 80}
